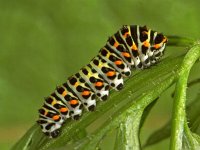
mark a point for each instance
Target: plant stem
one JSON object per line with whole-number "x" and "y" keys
{"x": 142, "y": 102}
{"x": 180, "y": 98}
{"x": 179, "y": 41}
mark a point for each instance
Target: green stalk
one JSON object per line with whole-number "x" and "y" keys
{"x": 128, "y": 132}
{"x": 139, "y": 91}
{"x": 178, "y": 116}
{"x": 142, "y": 102}
{"x": 179, "y": 41}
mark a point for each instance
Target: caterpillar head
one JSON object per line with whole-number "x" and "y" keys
{"x": 153, "y": 45}
{"x": 158, "y": 45}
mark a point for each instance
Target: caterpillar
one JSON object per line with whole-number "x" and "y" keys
{"x": 132, "y": 46}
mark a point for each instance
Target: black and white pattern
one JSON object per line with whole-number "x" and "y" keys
{"x": 130, "y": 47}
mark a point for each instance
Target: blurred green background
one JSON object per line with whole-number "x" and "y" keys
{"x": 43, "y": 42}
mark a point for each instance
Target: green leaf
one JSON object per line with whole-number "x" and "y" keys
{"x": 43, "y": 42}
{"x": 131, "y": 102}
{"x": 138, "y": 93}
{"x": 128, "y": 132}
{"x": 190, "y": 140}
{"x": 180, "y": 41}
{"x": 179, "y": 121}
{"x": 180, "y": 131}
{"x": 192, "y": 111}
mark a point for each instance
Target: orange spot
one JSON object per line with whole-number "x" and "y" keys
{"x": 156, "y": 46}
{"x": 144, "y": 32}
{"x": 134, "y": 47}
{"x": 126, "y": 34}
{"x": 64, "y": 93}
{"x": 98, "y": 84}
{"x": 115, "y": 44}
{"x": 63, "y": 109}
{"x": 146, "y": 44}
{"x": 110, "y": 73}
{"x": 73, "y": 102}
{"x": 118, "y": 62}
{"x": 56, "y": 117}
{"x": 126, "y": 54}
{"x": 85, "y": 93}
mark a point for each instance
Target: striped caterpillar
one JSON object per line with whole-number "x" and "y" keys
{"x": 130, "y": 47}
